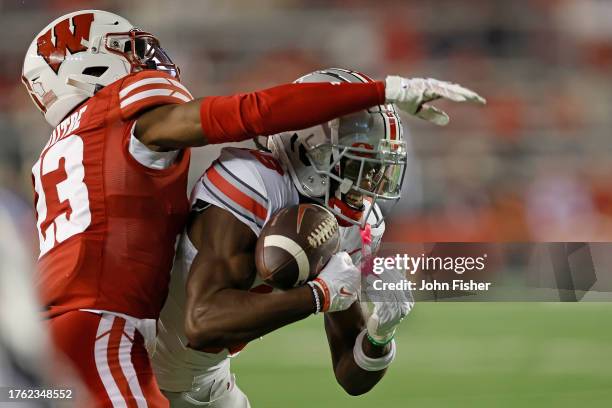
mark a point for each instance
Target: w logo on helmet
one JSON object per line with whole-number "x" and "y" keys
{"x": 54, "y": 54}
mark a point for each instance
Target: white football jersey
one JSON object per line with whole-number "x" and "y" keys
{"x": 252, "y": 185}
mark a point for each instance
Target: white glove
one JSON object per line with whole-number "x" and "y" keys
{"x": 388, "y": 309}
{"x": 412, "y": 95}
{"x": 339, "y": 282}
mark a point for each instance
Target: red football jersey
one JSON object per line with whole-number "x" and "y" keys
{"x": 107, "y": 224}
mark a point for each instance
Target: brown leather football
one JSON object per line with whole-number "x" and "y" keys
{"x": 295, "y": 244}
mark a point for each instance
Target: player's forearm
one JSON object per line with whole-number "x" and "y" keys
{"x": 221, "y": 119}
{"x": 354, "y": 379}
{"x": 230, "y": 316}
{"x": 343, "y": 329}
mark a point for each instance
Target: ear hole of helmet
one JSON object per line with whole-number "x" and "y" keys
{"x": 302, "y": 155}
{"x": 301, "y": 150}
{"x": 95, "y": 71}
{"x": 292, "y": 141}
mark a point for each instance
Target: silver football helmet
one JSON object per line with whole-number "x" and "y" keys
{"x": 350, "y": 163}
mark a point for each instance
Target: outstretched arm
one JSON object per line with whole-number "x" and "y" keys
{"x": 221, "y": 119}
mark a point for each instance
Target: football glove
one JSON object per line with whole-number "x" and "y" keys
{"x": 412, "y": 96}
{"x": 386, "y": 310}
{"x": 339, "y": 281}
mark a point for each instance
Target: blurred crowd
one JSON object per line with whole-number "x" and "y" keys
{"x": 534, "y": 164}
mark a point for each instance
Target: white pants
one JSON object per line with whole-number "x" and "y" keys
{"x": 221, "y": 393}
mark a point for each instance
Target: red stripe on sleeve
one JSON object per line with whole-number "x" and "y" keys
{"x": 235, "y": 194}
{"x": 132, "y": 110}
{"x": 149, "y": 87}
{"x": 133, "y": 99}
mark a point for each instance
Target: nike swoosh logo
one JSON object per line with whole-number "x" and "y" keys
{"x": 344, "y": 292}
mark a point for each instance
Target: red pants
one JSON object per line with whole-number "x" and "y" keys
{"x": 109, "y": 356}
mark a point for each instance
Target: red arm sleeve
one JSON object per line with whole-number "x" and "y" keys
{"x": 283, "y": 108}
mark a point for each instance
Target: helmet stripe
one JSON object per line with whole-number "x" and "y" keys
{"x": 364, "y": 77}
{"x": 360, "y": 76}
{"x": 333, "y": 74}
{"x": 393, "y": 128}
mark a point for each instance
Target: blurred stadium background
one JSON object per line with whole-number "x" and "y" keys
{"x": 533, "y": 165}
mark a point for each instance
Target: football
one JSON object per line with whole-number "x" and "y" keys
{"x": 295, "y": 244}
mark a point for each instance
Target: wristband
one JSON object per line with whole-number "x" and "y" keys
{"x": 315, "y": 294}
{"x": 380, "y": 343}
{"x": 368, "y": 363}
{"x": 325, "y": 290}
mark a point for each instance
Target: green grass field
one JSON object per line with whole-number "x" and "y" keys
{"x": 450, "y": 355}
